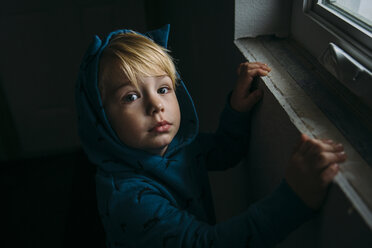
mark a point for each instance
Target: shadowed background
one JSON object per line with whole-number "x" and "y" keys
{"x": 48, "y": 184}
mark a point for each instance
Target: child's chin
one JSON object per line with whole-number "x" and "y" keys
{"x": 157, "y": 149}
{"x": 162, "y": 145}
{"x": 163, "y": 140}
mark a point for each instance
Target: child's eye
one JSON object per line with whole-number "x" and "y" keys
{"x": 130, "y": 97}
{"x": 163, "y": 90}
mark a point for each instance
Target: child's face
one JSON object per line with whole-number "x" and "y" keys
{"x": 147, "y": 118}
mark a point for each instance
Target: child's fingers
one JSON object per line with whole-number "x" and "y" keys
{"x": 257, "y": 72}
{"x": 244, "y": 83}
{"x": 243, "y": 86}
{"x": 336, "y": 147}
{"x": 252, "y": 99}
{"x": 306, "y": 144}
{"x": 252, "y": 64}
{"x": 318, "y": 146}
{"x": 312, "y": 147}
{"x": 300, "y": 143}
{"x": 258, "y": 65}
{"x": 245, "y": 67}
{"x": 241, "y": 67}
{"x": 328, "y": 141}
{"x": 323, "y": 159}
{"x": 328, "y": 174}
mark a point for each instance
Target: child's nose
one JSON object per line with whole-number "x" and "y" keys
{"x": 155, "y": 105}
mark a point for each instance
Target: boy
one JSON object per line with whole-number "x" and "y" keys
{"x": 141, "y": 130}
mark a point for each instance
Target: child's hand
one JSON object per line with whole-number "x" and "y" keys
{"x": 313, "y": 165}
{"x": 242, "y": 99}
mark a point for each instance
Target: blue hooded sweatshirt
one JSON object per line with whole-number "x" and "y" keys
{"x": 147, "y": 200}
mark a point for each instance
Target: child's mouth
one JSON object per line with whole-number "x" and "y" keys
{"x": 161, "y": 127}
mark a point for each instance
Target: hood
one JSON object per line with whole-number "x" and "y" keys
{"x": 99, "y": 140}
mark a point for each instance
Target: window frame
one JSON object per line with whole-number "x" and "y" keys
{"x": 349, "y": 28}
{"x": 355, "y": 40}
{"x": 317, "y": 34}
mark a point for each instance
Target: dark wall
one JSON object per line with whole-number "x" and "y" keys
{"x": 48, "y": 183}
{"x": 201, "y": 41}
{"x": 41, "y": 45}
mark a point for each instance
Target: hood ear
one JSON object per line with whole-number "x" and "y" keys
{"x": 160, "y": 36}
{"x": 91, "y": 52}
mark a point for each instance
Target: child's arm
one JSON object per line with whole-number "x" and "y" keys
{"x": 228, "y": 145}
{"x": 314, "y": 163}
{"x": 139, "y": 212}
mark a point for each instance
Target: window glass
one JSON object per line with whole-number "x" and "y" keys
{"x": 359, "y": 11}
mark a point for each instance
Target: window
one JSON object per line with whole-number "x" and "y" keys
{"x": 359, "y": 12}
{"x": 351, "y": 18}
{"x": 338, "y": 33}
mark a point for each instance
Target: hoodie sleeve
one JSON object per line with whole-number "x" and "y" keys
{"x": 226, "y": 147}
{"x": 140, "y": 215}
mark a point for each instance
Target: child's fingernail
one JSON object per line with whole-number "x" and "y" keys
{"x": 334, "y": 166}
{"x": 341, "y": 155}
{"x": 339, "y": 146}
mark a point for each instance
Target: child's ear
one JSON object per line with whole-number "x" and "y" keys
{"x": 160, "y": 36}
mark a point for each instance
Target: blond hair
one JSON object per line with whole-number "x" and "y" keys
{"x": 138, "y": 57}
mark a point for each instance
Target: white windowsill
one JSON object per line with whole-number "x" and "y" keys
{"x": 355, "y": 177}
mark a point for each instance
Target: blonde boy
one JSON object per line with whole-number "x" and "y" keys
{"x": 139, "y": 126}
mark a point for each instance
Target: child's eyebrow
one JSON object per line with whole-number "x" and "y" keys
{"x": 113, "y": 89}
{"x": 122, "y": 85}
{"x": 163, "y": 76}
